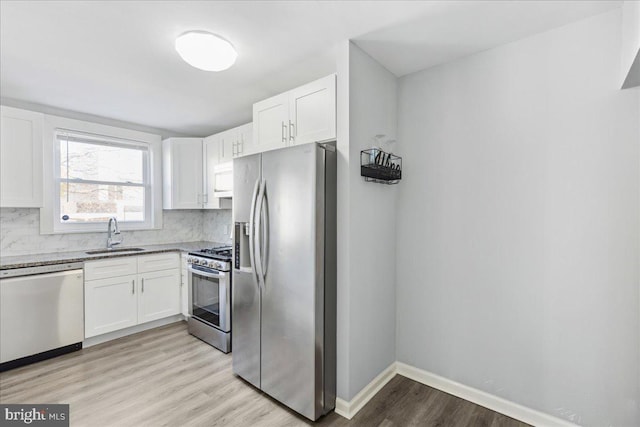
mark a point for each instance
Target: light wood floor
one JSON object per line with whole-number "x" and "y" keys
{"x": 166, "y": 377}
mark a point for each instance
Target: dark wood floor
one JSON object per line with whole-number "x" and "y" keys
{"x": 166, "y": 377}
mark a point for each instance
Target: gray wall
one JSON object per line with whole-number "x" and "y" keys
{"x": 366, "y": 285}
{"x": 518, "y": 224}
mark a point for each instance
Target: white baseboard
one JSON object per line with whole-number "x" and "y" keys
{"x": 349, "y": 409}
{"x": 89, "y": 342}
{"x": 479, "y": 397}
{"x": 495, "y": 403}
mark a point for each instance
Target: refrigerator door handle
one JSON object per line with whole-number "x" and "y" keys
{"x": 265, "y": 235}
{"x": 252, "y": 224}
{"x": 258, "y": 236}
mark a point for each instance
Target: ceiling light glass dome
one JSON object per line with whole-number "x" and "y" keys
{"x": 206, "y": 51}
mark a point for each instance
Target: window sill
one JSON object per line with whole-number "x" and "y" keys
{"x": 101, "y": 229}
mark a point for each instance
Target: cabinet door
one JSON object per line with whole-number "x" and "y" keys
{"x": 210, "y": 157}
{"x": 313, "y": 111}
{"x": 271, "y": 123}
{"x": 211, "y": 148}
{"x": 228, "y": 140}
{"x": 159, "y": 295}
{"x": 182, "y": 161}
{"x": 20, "y": 158}
{"x": 245, "y": 140}
{"x": 110, "y": 304}
{"x": 184, "y": 287}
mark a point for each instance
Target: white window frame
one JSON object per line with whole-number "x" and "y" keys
{"x": 50, "y": 212}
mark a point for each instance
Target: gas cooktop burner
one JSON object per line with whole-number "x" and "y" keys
{"x": 220, "y": 252}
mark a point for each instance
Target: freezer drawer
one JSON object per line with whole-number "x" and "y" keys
{"x": 40, "y": 312}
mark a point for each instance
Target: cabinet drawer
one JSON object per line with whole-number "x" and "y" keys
{"x": 121, "y": 266}
{"x": 156, "y": 262}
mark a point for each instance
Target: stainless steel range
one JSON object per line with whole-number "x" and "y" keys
{"x": 210, "y": 296}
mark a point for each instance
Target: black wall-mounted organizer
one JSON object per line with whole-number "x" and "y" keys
{"x": 379, "y": 166}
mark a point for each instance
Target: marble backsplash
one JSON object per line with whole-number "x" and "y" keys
{"x": 20, "y": 232}
{"x": 216, "y": 226}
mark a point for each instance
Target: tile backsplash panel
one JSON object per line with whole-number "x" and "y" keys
{"x": 216, "y": 226}
{"x": 20, "y": 232}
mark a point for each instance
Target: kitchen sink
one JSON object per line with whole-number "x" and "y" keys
{"x": 113, "y": 251}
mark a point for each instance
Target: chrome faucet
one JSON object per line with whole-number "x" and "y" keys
{"x": 113, "y": 231}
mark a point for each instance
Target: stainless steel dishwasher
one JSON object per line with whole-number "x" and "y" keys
{"x": 41, "y": 313}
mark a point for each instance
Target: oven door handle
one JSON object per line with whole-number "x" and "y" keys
{"x": 213, "y": 274}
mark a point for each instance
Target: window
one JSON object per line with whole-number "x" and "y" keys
{"x": 101, "y": 178}
{"x": 97, "y": 171}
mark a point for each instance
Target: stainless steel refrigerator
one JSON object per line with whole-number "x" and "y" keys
{"x": 284, "y": 275}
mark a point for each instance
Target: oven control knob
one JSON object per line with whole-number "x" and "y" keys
{"x": 190, "y": 260}
{"x": 212, "y": 264}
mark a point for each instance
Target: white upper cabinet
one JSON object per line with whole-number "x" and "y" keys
{"x": 245, "y": 140}
{"x": 312, "y": 111}
{"x": 21, "y": 158}
{"x": 189, "y": 173}
{"x": 228, "y": 140}
{"x": 182, "y": 173}
{"x": 302, "y": 115}
{"x": 271, "y": 123}
{"x": 235, "y": 142}
{"x": 211, "y": 160}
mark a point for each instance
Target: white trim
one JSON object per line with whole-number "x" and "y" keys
{"x": 498, "y": 404}
{"x": 90, "y": 342}
{"x": 153, "y": 190}
{"x": 495, "y": 403}
{"x": 349, "y": 409}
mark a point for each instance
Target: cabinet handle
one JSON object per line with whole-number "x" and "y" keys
{"x": 133, "y": 286}
{"x": 142, "y": 284}
{"x": 292, "y": 133}
{"x": 284, "y": 128}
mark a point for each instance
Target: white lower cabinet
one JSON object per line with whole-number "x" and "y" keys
{"x": 159, "y": 295}
{"x": 110, "y": 304}
{"x": 184, "y": 287}
{"x": 134, "y": 295}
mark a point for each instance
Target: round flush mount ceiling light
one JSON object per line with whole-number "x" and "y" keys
{"x": 206, "y": 51}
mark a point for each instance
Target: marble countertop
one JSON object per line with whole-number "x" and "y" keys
{"x": 36, "y": 260}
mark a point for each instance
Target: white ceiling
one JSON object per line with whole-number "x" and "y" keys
{"x": 116, "y": 59}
